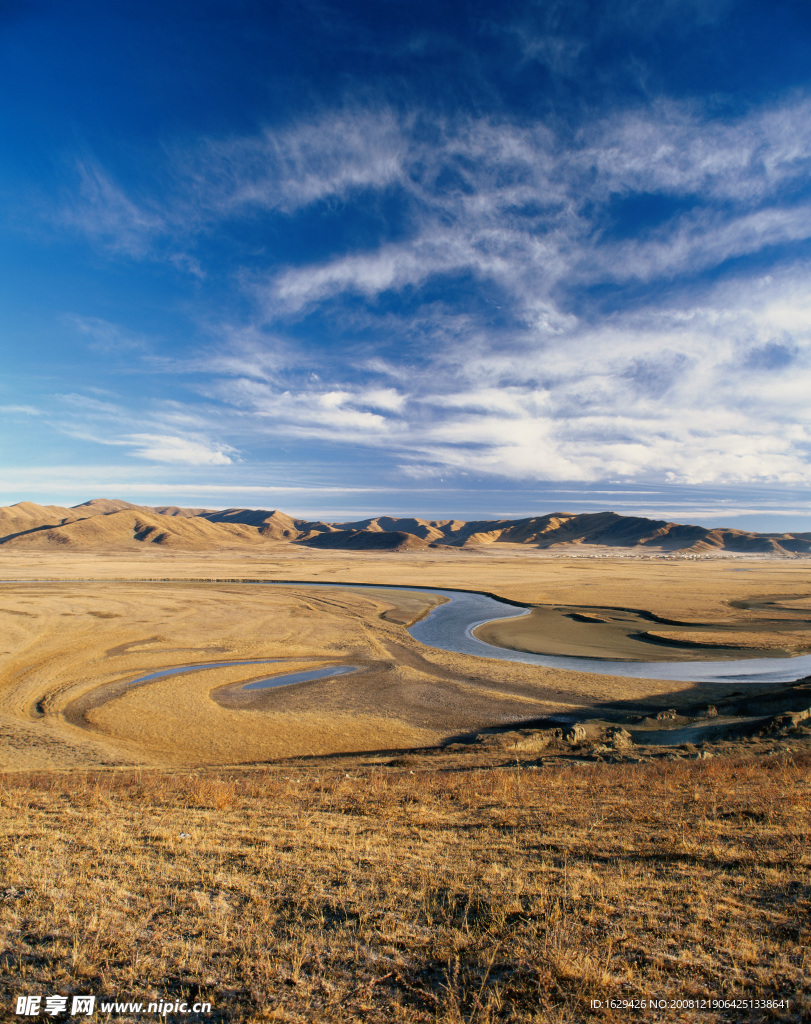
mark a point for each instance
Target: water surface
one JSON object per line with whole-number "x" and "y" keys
{"x": 289, "y": 678}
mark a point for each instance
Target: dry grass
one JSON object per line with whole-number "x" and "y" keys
{"x": 696, "y": 591}
{"x": 67, "y": 647}
{"x": 757, "y": 640}
{"x": 432, "y": 889}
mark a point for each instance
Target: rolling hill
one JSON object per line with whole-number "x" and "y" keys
{"x": 112, "y": 524}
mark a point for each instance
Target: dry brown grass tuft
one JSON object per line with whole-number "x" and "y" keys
{"x": 432, "y": 891}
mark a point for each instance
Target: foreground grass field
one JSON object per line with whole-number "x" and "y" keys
{"x": 435, "y": 887}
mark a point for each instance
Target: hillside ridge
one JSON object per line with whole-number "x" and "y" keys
{"x": 113, "y": 524}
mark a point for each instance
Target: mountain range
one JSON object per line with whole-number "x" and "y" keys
{"x": 107, "y": 524}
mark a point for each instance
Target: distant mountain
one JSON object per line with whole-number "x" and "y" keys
{"x": 272, "y": 525}
{"x": 128, "y": 527}
{"x": 607, "y": 529}
{"x": 112, "y": 525}
{"x": 101, "y": 506}
{"x": 27, "y": 516}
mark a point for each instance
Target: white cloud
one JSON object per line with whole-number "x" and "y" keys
{"x": 521, "y": 203}
{"x": 327, "y": 414}
{"x": 699, "y": 242}
{"x": 169, "y": 432}
{"x": 521, "y": 207}
{"x": 332, "y": 155}
{"x": 102, "y": 210}
{"x": 21, "y": 410}
{"x": 385, "y": 399}
{"x": 713, "y": 391}
{"x": 104, "y": 335}
{"x": 704, "y": 384}
{"x": 181, "y": 450}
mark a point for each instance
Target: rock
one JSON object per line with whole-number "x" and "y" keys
{"x": 787, "y": 722}
{"x": 523, "y": 740}
{"x": 619, "y": 738}
{"x": 575, "y": 734}
{"x": 538, "y": 740}
{"x": 665, "y": 716}
{"x": 702, "y": 755}
{"x": 500, "y": 740}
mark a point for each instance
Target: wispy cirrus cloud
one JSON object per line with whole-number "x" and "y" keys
{"x": 170, "y": 432}
{"x": 713, "y": 392}
{"x": 20, "y": 410}
{"x": 331, "y": 156}
{"x": 532, "y": 209}
{"x": 472, "y": 337}
{"x": 102, "y": 210}
{"x": 103, "y": 335}
{"x": 528, "y": 203}
{"x": 683, "y": 149}
{"x": 181, "y": 450}
{"x": 184, "y": 451}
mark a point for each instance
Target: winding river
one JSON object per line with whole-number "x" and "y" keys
{"x": 449, "y": 627}
{"x": 287, "y": 679}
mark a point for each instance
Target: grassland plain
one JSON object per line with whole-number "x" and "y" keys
{"x": 436, "y": 888}
{"x": 180, "y": 840}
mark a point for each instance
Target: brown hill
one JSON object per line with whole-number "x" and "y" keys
{"x": 366, "y": 540}
{"x": 27, "y": 515}
{"x": 101, "y": 506}
{"x": 176, "y": 510}
{"x": 274, "y": 525}
{"x": 607, "y": 529}
{"x": 29, "y": 511}
{"x": 112, "y": 523}
{"x": 422, "y": 528}
{"x": 115, "y": 530}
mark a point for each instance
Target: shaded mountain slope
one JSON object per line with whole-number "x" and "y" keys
{"x": 275, "y": 525}
{"x": 366, "y": 540}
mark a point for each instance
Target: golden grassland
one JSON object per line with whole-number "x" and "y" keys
{"x": 187, "y": 839}
{"x": 738, "y": 639}
{"x": 679, "y": 589}
{"x": 433, "y": 888}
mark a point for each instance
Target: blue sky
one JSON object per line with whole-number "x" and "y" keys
{"x": 466, "y": 259}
